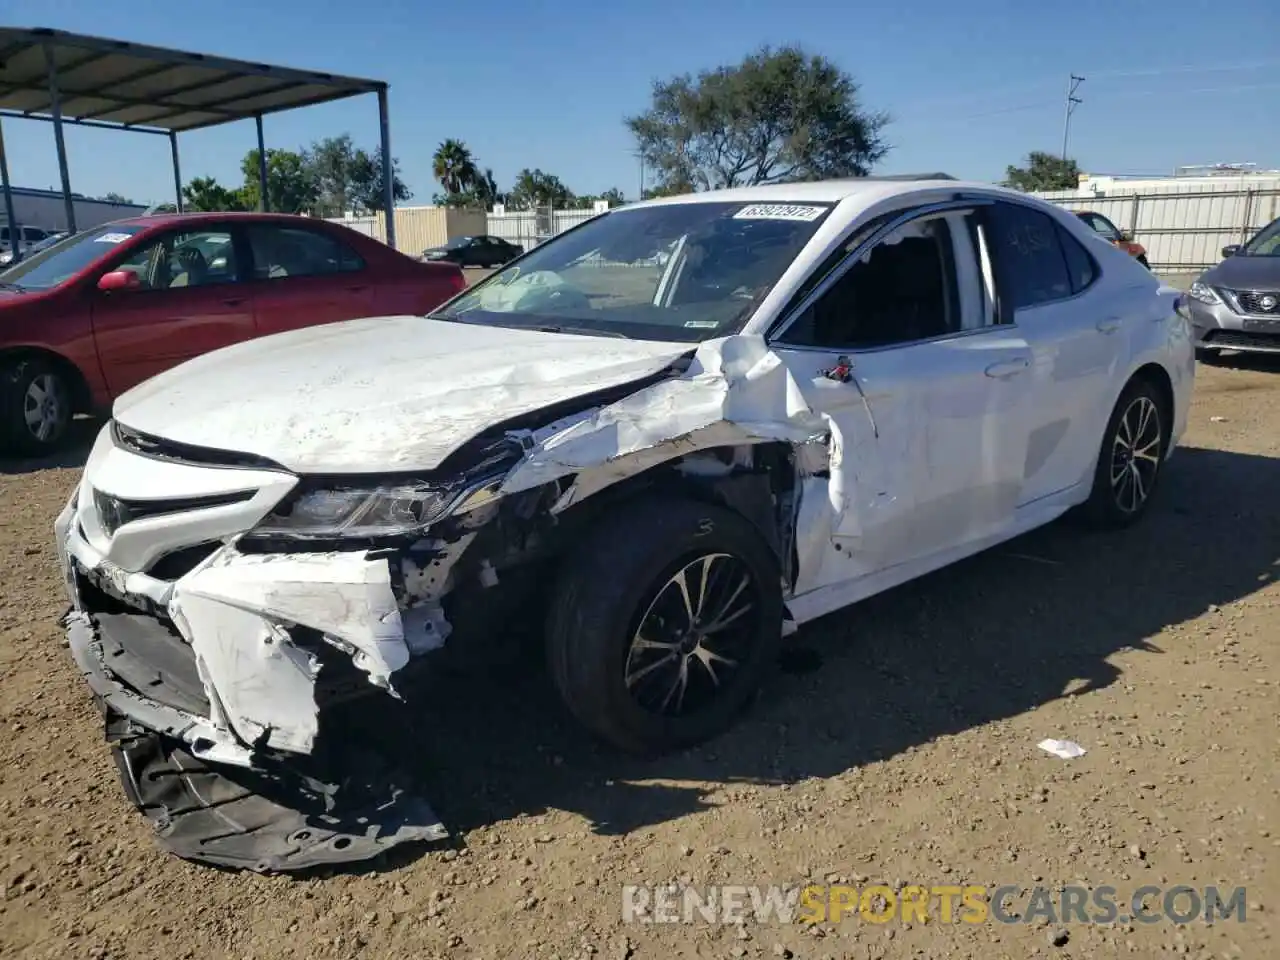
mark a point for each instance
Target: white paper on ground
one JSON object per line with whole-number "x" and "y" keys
{"x": 1064, "y": 749}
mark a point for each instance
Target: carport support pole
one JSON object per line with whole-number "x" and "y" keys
{"x": 55, "y": 110}
{"x": 262, "y": 168}
{"x": 177, "y": 169}
{"x": 8, "y": 199}
{"x": 388, "y": 169}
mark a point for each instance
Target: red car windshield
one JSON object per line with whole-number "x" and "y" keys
{"x": 58, "y": 263}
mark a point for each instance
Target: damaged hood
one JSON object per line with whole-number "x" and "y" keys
{"x": 378, "y": 395}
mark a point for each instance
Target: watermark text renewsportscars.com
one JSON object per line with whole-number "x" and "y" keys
{"x": 972, "y": 904}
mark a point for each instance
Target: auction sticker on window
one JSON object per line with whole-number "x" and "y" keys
{"x": 112, "y": 238}
{"x": 780, "y": 211}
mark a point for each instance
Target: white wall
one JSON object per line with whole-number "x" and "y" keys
{"x": 1183, "y": 222}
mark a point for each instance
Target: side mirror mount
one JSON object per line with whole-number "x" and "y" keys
{"x": 1231, "y": 249}
{"x": 118, "y": 280}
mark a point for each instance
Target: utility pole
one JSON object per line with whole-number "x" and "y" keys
{"x": 639, "y": 155}
{"x": 1073, "y": 84}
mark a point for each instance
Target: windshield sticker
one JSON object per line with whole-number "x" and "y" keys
{"x": 112, "y": 238}
{"x": 780, "y": 211}
{"x": 701, "y": 324}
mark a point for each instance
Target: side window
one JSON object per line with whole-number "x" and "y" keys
{"x": 904, "y": 289}
{"x": 196, "y": 258}
{"x": 280, "y": 252}
{"x": 1029, "y": 263}
{"x": 33, "y": 234}
{"x": 1080, "y": 266}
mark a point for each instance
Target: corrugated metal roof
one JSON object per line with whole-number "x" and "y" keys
{"x": 117, "y": 83}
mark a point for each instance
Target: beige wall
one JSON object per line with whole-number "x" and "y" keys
{"x": 418, "y": 228}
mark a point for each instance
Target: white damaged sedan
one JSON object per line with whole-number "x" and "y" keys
{"x": 667, "y": 463}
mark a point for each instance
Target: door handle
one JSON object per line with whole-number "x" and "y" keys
{"x": 234, "y": 301}
{"x": 1109, "y": 325}
{"x": 358, "y": 288}
{"x": 1007, "y": 368}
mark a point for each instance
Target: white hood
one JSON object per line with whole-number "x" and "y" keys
{"x": 377, "y": 395}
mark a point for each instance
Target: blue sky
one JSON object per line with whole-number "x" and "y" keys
{"x": 972, "y": 84}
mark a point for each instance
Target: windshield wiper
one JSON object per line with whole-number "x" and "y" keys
{"x": 588, "y": 331}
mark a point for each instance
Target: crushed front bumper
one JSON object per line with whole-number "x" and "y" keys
{"x": 277, "y": 814}
{"x": 248, "y": 697}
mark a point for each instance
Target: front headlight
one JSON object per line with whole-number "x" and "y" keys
{"x": 1204, "y": 293}
{"x": 358, "y": 512}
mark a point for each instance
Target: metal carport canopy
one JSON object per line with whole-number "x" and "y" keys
{"x": 64, "y": 77}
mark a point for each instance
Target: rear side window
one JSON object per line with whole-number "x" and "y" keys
{"x": 1080, "y": 266}
{"x": 281, "y": 252}
{"x": 1031, "y": 268}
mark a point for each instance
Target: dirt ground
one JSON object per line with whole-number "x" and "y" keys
{"x": 897, "y": 744}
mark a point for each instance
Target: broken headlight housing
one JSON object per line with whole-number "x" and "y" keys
{"x": 333, "y": 513}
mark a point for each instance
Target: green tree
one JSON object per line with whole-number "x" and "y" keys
{"x": 455, "y": 167}
{"x": 534, "y": 188}
{"x": 613, "y": 196}
{"x": 207, "y": 195}
{"x": 366, "y": 182}
{"x": 347, "y": 177}
{"x": 1043, "y": 171}
{"x": 114, "y": 197}
{"x": 779, "y": 115}
{"x": 291, "y": 182}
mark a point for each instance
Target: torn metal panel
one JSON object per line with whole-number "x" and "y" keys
{"x": 736, "y": 391}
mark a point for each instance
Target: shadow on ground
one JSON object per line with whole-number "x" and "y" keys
{"x": 73, "y": 453}
{"x": 984, "y": 640}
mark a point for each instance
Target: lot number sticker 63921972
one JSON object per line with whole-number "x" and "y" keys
{"x": 780, "y": 211}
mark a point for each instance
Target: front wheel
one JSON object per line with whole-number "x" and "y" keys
{"x": 35, "y": 406}
{"x": 666, "y": 620}
{"x": 1131, "y": 458}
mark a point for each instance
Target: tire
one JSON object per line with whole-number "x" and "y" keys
{"x": 1139, "y": 414}
{"x": 35, "y": 406}
{"x": 1142, "y": 259}
{"x": 621, "y": 576}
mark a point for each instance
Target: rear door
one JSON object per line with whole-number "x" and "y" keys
{"x": 189, "y": 300}
{"x": 1046, "y": 280}
{"x": 303, "y": 276}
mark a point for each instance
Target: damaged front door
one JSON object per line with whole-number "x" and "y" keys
{"x": 900, "y": 349}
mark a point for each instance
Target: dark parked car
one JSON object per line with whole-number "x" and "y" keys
{"x": 97, "y": 313}
{"x": 1236, "y": 305}
{"x": 475, "y": 252}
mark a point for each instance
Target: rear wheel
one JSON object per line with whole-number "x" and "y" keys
{"x": 665, "y": 622}
{"x": 1131, "y": 458}
{"x": 35, "y": 406}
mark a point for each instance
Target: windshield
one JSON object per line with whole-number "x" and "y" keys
{"x": 682, "y": 271}
{"x": 64, "y": 259}
{"x": 1266, "y": 243}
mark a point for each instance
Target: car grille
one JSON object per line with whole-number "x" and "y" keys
{"x": 1265, "y": 302}
{"x": 115, "y": 512}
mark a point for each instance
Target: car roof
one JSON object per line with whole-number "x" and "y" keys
{"x": 823, "y": 191}
{"x": 170, "y": 219}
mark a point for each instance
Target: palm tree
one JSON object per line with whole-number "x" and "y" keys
{"x": 454, "y": 167}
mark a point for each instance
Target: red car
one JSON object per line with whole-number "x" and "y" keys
{"x": 105, "y": 309}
